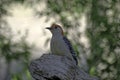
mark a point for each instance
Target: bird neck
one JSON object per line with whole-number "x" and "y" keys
{"x": 57, "y": 36}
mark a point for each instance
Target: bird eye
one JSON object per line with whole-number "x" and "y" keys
{"x": 55, "y": 27}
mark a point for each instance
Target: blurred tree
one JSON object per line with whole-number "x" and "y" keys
{"x": 104, "y": 34}
{"x": 10, "y": 50}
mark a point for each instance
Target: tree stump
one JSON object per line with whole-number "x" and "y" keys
{"x": 53, "y": 67}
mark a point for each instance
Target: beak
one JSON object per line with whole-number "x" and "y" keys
{"x": 49, "y": 28}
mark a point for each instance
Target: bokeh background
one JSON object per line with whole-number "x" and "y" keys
{"x": 92, "y": 26}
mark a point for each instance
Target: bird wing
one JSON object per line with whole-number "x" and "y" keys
{"x": 71, "y": 49}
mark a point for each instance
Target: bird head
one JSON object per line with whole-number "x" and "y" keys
{"x": 55, "y": 29}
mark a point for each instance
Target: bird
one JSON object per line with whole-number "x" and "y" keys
{"x": 60, "y": 45}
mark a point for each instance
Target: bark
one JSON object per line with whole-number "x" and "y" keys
{"x": 53, "y": 67}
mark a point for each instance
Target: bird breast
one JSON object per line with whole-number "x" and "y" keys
{"x": 59, "y": 47}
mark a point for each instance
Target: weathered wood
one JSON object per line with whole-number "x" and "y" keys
{"x": 53, "y": 67}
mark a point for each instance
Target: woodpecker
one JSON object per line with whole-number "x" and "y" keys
{"x": 59, "y": 44}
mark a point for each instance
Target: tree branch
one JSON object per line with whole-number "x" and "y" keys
{"x": 53, "y": 67}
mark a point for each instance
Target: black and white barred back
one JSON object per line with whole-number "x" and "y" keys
{"x": 71, "y": 49}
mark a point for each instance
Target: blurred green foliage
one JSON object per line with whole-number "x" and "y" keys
{"x": 11, "y": 50}
{"x": 103, "y": 32}
{"x": 65, "y": 8}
